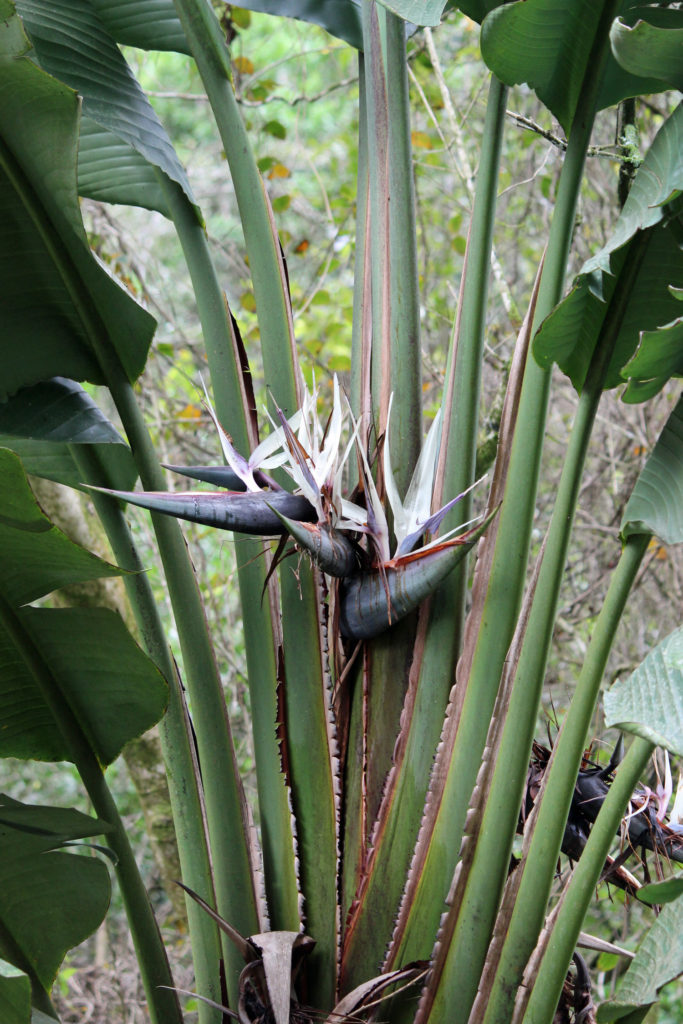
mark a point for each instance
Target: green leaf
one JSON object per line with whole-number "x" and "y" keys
{"x": 661, "y": 892}
{"x": 658, "y": 180}
{"x": 147, "y": 24}
{"x": 659, "y": 357}
{"x": 59, "y": 304}
{"x": 548, "y": 44}
{"x": 656, "y": 504}
{"x": 40, "y": 422}
{"x": 15, "y": 995}
{"x": 92, "y": 664}
{"x": 73, "y": 45}
{"x": 570, "y": 335}
{"x": 651, "y": 50}
{"x": 419, "y": 12}
{"x": 650, "y": 702}
{"x": 658, "y": 961}
{"x": 109, "y": 684}
{"x": 475, "y": 9}
{"x": 50, "y": 901}
{"x": 341, "y": 18}
{"x": 36, "y": 557}
{"x": 111, "y": 171}
{"x": 57, "y": 410}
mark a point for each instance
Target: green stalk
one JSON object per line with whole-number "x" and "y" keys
{"x": 361, "y": 300}
{"x": 210, "y": 52}
{"x": 488, "y": 872}
{"x": 376, "y": 103}
{"x": 151, "y": 954}
{"x": 179, "y": 759}
{"x": 434, "y": 661}
{"x": 303, "y": 656}
{"x": 395, "y": 369}
{"x": 576, "y": 898}
{"x": 508, "y": 571}
{"x": 404, "y": 298}
{"x": 235, "y": 893}
{"x": 457, "y": 456}
{"x": 513, "y": 757}
{"x": 260, "y": 643}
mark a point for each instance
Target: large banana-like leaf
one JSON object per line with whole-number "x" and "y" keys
{"x": 147, "y": 24}
{"x": 548, "y": 43}
{"x": 650, "y": 702}
{"x": 419, "y": 12}
{"x": 83, "y": 55}
{"x": 658, "y": 181}
{"x": 15, "y": 995}
{"x": 340, "y": 18}
{"x": 573, "y": 330}
{"x": 569, "y": 335}
{"x": 652, "y": 47}
{"x": 659, "y": 357}
{"x": 50, "y": 900}
{"x": 656, "y": 503}
{"x": 39, "y": 423}
{"x": 80, "y": 659}
{"x": 658, "y": 961}
{"x": 58, "y": 301}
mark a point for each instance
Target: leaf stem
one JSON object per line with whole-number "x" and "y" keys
{"x": 550, "y": 974}
{"x": 179, "y": 758}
